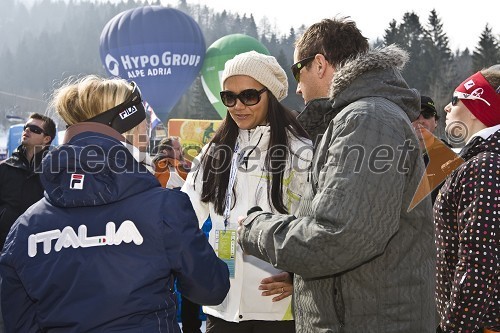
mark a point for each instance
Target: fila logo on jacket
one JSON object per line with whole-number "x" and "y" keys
{"x": 127, "y": 232}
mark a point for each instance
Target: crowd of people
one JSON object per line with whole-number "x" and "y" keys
{"x": 313, "y": 222}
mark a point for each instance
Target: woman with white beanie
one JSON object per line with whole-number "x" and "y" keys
{"x": 259, "y": 157}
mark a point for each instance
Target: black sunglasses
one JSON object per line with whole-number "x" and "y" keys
{"x": 34, "y": 129}
{"x": 427, "y": 114}
{"x": 454, "y": 100}
{"x": 248, "y": 97}
{"x": 126, "y": 115}
{"x": 297, "y": 67}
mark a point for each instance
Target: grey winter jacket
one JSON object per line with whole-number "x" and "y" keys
{"x": 362, "y": 261}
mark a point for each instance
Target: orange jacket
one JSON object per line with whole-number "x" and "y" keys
{"x": 162, "y": 170}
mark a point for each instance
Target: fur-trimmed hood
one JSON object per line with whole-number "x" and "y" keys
{"x": 376, "y": 73}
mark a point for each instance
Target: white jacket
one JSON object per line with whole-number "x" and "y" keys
{"x": 244, "y": 300}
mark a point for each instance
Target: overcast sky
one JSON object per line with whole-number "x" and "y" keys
{"x": 463, "y": 21}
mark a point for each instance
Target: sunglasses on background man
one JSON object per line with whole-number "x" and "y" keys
{"x": 34, "y": 129}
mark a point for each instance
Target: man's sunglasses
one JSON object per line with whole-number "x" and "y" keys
{"x": 460, "y": 95}
{"x": 248, "y": 97}
{"x": 34, "y": 129}
{"x": 427, "y": 114}
{"x": 297, "y": 67}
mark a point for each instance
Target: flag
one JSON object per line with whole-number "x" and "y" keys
{"x": 153, "y": 119}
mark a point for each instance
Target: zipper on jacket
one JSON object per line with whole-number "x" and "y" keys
{"x": 309, "y": 170}
{"x": 338, "y": 301}
{"x": 245, "y": 158}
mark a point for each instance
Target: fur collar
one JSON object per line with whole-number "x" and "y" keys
{"x": 380, "y": 58}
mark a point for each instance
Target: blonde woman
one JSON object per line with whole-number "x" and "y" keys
{"x": 101, "y": 251}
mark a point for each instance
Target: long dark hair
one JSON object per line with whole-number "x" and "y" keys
{"x": 216, "y": 161}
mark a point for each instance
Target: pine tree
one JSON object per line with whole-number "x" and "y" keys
{"x": 410, "y": 36}
{"x": 439, "y": 62}
{"x": 437, "y": 37}
{"x": 249, "y": 27}
{"x": 183, "y": 6}
{"x": 392, "y": 34}
{"x": 487, "y": 52}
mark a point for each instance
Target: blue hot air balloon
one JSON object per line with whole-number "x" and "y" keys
{"x": 161, "y": 49}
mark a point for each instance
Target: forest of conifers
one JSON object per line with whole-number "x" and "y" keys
{"x": 44, "y": 44}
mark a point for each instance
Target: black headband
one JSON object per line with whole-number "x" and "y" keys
{"x": 126, "y": 115}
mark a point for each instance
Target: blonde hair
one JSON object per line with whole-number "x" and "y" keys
{"x": 81, "y": 99}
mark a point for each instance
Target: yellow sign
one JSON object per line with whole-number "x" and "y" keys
{"x": 194, "y": 134}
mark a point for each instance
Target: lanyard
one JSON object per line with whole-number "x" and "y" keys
{"x": 232, "y": 179}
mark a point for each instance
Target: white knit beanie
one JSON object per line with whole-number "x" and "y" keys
{"x": 263, "y": 68}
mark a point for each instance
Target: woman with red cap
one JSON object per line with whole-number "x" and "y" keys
{"x": 467, "y": 210}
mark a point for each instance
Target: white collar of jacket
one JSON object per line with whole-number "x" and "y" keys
{"x": 258, "y": 136}
{"x": 142, "y": 157}
{"x": 485, "y": 133}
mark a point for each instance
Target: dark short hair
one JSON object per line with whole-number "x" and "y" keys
{"x": 167, "y": 143}
{"x": 49, "y": 126}
{"x": 338, "y": 39}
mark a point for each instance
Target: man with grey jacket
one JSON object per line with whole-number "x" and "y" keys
{"x": 363, "y": 262}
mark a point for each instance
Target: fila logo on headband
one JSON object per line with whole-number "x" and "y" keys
{"x": 128, "y": 112}
{"x": 76, "y": 182}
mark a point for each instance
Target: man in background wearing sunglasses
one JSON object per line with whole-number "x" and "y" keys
{"x": 428, "y": 119}
{"x": 20, "y": 185}
{"x": 432, "y": 147}
{"x": 362, "y": 260}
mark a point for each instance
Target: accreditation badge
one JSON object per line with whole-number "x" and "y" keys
{"x": 225, "y": 248}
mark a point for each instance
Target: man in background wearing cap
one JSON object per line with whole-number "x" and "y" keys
{"x": 363, "y": 261}
{"x": 427, "y": 119}
{"x": 432, "y": 147}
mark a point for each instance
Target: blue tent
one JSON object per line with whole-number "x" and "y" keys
{"x": 14, "y": 138}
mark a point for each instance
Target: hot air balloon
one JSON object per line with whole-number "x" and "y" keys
{"x": 218, "y": 53}
{"x": 161, "y": 49}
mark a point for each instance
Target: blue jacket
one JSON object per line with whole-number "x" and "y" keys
{"x": 100, "y": 252}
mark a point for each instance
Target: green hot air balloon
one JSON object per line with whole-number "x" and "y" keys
{"x": 218, "y": 53}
